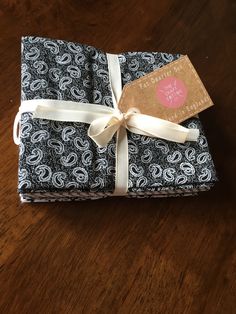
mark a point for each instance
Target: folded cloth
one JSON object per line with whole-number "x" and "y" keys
{"x": 58, "y": 161}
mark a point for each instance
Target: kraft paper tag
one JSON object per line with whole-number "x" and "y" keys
{"x": 173, "y": 92}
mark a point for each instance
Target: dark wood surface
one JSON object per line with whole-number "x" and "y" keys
{"x": 118, "y": 255}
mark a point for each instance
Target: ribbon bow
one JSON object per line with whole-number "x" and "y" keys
{"x": 102, "y": 129}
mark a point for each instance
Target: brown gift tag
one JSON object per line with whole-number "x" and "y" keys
{"x": 173, "y": 92}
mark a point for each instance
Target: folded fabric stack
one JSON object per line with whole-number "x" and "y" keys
{"x": 58, "y": 161}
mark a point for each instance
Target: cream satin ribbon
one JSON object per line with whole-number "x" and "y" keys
{"x": 105, "y": 122}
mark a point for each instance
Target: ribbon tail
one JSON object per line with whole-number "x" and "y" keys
{"x": 155, "y": 127}
{"x": 122, "y": 162}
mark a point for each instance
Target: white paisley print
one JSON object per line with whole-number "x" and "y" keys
{"x": 59, "y": 161}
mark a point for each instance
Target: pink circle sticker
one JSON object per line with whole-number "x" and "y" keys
{"x": 171, "y": 92}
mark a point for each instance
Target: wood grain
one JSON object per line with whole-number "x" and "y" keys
{"x": 120, "y": 255}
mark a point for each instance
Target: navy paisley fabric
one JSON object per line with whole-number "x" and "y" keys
{"x": 57, "y": 157}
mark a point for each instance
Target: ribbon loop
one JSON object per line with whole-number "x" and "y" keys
{"x": 102, "y": 130}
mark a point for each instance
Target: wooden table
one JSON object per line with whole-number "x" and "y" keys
{"x": 123, "y": 255}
